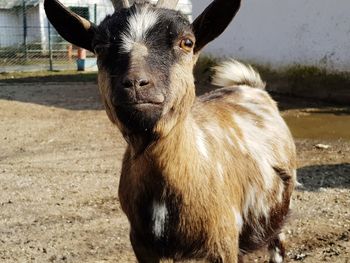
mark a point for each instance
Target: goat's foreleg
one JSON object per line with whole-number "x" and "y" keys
{"x": 142, "y": 254}
{"x": 227, "y": 251}
{"x": 277, "y": 249}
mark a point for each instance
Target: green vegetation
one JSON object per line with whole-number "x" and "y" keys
{"x": 297, "y": 73}
{"x": 297, "y": 80}
{"x": 313, "y": 77}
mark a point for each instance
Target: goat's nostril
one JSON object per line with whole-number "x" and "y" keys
{"x": 128, "y": 83}
{"x": 143, "y": 82}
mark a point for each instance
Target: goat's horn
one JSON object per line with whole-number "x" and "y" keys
{"x": 169, "y": 4}
{"x": 119, "y": 4}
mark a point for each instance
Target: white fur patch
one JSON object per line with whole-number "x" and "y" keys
{"x": 280, "y": 191}
{"x": 256, "y": 203}
{"x": 229, "y": 139}
{"x": 159, "y": 218}
{"x": 214, "y": 129}
{"x": 220, "y": 170}
{"x": 275, "y": 256}
{"x": 238, "y": 218}
{"x": 138, "y": 25}
{"x": 233, "y": 73}
{"x": 237, "y": 140}
{"x": 258, "y": 145}
{"x": 201, "y": 144}
{"x": 282, "y": 237}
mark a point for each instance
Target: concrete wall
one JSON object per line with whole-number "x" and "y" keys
{"x": 33, "y": 23}
{"x": 103, "y": 7}
{"x": 9, "y": 34}
{"x": 11, "y": 26}
{"x": 285, "y": 32}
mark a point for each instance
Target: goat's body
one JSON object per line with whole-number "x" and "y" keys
{"x": 207, "y": 178}
{"x": 220, "y": 181}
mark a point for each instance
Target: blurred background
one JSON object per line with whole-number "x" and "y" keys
{"x": 28, "y": 42}
{"x": 304, "y": 38}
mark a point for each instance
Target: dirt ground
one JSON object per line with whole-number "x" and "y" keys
{"x": 59, "y": 169}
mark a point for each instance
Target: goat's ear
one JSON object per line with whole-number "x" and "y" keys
{"x": 213, "y": 21}
{"x": 73, "y": 28}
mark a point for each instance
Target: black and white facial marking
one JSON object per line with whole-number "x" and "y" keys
{"x": 138, "y": 47}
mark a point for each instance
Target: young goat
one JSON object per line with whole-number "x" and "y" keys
{"x": 207, "y": 178}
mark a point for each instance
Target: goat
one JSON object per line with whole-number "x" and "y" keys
{"x": 204, "y": 178}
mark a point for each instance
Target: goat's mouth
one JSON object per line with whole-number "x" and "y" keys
{"x": 142, "y": 104}
{"x": 139, "y": 117}
{"x": 138, "y": 100}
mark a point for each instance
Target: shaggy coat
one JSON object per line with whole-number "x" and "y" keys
{"x": 220, "y": 181}
{"x": 204, "y": 178}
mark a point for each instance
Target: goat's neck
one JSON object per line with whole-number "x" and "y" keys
{"x": 173, "y": 127}
{"x": 176, "y": 145}
{"x": 156, "y": 147}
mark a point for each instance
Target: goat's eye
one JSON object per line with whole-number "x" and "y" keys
{"x": 186, "y": 44}
{"x": 100, "y": 48}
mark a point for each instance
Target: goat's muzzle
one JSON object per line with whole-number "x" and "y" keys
{"x": 141, "y": 90}
{"x": 138, "y": 101}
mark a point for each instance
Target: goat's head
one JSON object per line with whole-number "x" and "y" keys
{"x": 146, "y": 55}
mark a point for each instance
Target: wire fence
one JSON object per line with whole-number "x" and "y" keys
{"x": 28, "y": 42}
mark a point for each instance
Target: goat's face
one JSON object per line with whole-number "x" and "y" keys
{"x": 145, "y": 56}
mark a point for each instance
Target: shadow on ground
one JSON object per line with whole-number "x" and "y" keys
{"x": 47, "y": 76}
{"x": 315, "y": 177}
{"x": 80, "y": 92}
{"x": 67, "y": 95}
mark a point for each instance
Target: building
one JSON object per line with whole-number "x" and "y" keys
{"x": 11, "y": 21}
{"x": 23, "y": 22}
{"x": 29, "y": 43}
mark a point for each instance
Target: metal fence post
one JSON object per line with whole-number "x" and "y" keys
{"x": 25, "y": 33}
{"x": 50, "y": 46}
{"x": 95, "y": 13}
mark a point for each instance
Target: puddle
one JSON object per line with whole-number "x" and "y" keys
{"x": 325, "y": 124}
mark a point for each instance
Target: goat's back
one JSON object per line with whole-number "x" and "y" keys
{"x": 240, "y": 128}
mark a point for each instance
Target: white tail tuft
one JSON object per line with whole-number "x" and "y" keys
{"x": 233, "y": 73}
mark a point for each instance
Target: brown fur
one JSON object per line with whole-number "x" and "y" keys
{"x": 202, "y": 178}
{"x": 173, "y": 170}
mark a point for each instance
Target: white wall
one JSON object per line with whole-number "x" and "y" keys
{"x": 103, "y": 7}
{"x": 33, "y": 24}
{"x": 9, "y": 33}
{"x": 285, "y": 32}
{"x": 11, "y": 26}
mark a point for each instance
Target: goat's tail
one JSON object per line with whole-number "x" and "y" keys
{"x": 234, "y": 73}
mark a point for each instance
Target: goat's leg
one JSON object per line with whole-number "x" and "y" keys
{"x": 240, "y": 259}
{"x": 226, "y": 251}
{"x": 277, "y": 250}
{"x": 142, "y": 254}
{"x": 225, "y": 259}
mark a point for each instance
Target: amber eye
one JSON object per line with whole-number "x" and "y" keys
{"x": 186, "y": 44}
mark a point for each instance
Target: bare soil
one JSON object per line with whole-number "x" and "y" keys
{"x": 59, "y": 169}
